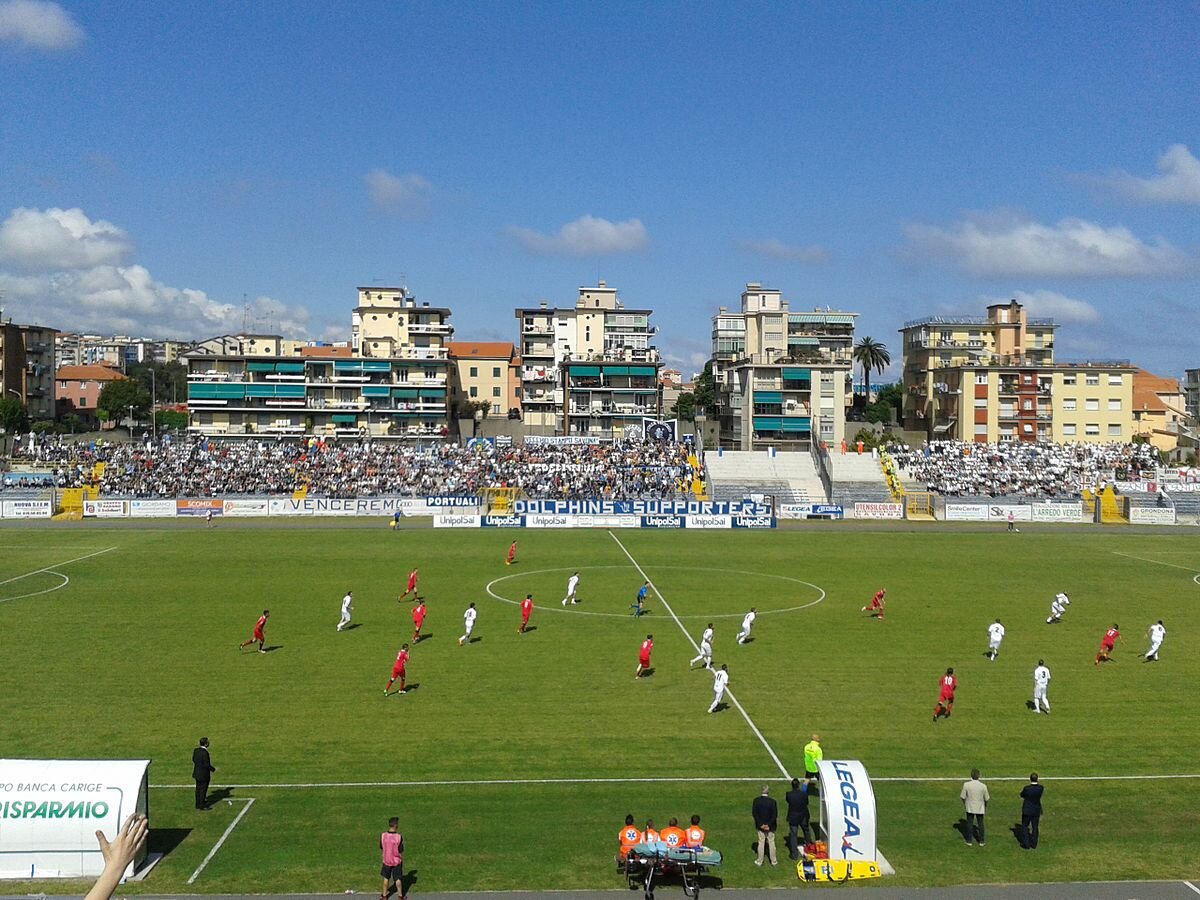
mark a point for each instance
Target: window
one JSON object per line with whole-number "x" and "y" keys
{"x": 1091, "y": 429}
{"x": 1091, "y": 380}
{"x": 981, "y": 403}
{"x": 495, "y": 409}
{"x": 1027, "y": 428}
{"x": 1091, "y": 404}
{"x": 1115, "y": 380}
{"x": 981, "y": 377}
{"x": 1068, "y": 379}
{"x": 495, "y": 371}
{"x": 1068, "y": 429}
{"x": 1027, "y": 404}
{"x": 495, "y": 392}
{"x": 474, "y": 391}
{"x": 1068, "y": 404}
{"x": 517, "y": 393}
{"x": 1114, "y": 404}
{"x": 1114, "y": 431}
{"x": 474, "y": 371}
{"x": 981, "y": 429}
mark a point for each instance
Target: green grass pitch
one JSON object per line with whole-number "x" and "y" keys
{"x": 136, "y": 657}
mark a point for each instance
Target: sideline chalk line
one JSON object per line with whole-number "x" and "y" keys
{"x": 49, "y": 570}
{"x": 1157, "y": 562}
{"x": 583, "y": 612}
{"x": 695, "y": 646}
{"x": 249, "y": 801}
{"x": 691, "y": 779}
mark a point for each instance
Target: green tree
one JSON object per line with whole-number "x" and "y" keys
{"x": 12, "y": 414}
{"x": 872, "y": 356}
{"x": 685, "y": 407}
{"x": 117, "y": 397}
{"x": 889, "y": 399}
{"x": 704, "y": 391}
{"x": 169, "y": 380}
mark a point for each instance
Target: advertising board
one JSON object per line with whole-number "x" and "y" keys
{"x": 966, "y": 512}
{"x": 1151, "y": 515}
{"x": 27, "y": 509}
{"x": 1058, "y": 512}
{"x": 152, "y": 509}
{"x": 998, "y": 512}
{"x": 878, "y": 510}
{"x": 106, "y": 509}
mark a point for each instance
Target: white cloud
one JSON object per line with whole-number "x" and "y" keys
{"x": 1051, "y": 304}
{"x": 586, "y": 236}
{"x": 38, "y": 25}
{"x": 772, "y": 248}
{"x": 398, "y": 194}
{"x": 37, "y": 240}
{"x": 1178, "y": 180}
{"x": 1002, "y": 245}
{"x": 73, "y": 275}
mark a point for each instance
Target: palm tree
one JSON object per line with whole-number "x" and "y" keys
{"x": 871, "y": 355}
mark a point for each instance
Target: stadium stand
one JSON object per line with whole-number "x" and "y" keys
{"x": 789, "y": 477}
{"x": 198, "y": 468}
{"x": 857, "y": 478}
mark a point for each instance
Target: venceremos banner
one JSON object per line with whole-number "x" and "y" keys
{"x": 51, "y": 809}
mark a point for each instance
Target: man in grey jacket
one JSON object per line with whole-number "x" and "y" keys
{"x": 975, "y": 799}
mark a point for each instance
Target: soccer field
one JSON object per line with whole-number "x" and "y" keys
{"x": 512, "y": 761}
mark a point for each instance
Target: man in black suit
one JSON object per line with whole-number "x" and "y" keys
{"x": 1031, "y": 811}
{"x": 765, "y": 811}
{"x": 797, "y": 816}
{"x": 202, "y": 769}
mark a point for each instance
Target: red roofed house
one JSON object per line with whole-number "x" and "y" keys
{"x": 1159, "y": 410}
{"x": 77, "y": 389}
{"x": 485, "y": 371}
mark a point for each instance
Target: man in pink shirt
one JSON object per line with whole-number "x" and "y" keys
{"x": 391, "y": 842}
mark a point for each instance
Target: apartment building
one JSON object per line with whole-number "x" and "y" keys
{"x": 72, "y": 349}
{"x": 77, "y": 389}
{"x": 391, "y": 381}
{"x": 485, "y": 372}
{"x": 590, "y": 369}
{"x": 1191, "y": 393}
{"x": 27, "y": 367}
{"x": 1160, "y": 413}
{"x": 993, "y": 378}
{"x": 782, "y": 377}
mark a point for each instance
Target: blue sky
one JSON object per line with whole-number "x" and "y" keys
{"x": 161, "y": 162}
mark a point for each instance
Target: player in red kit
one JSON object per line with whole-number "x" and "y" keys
{"x": 512, "y": 554}
{"x": 411, "y": 588}
{"x": 526, "y": 609}
{"x": 1106, "y": 644}
{"x": 260, "y": 628}
{"x": 946, "y": 687}
{"x": 398, "y": 671}
{"x": 418, "y": 615}
{"x": 876, "y": 607}
{"x": 644, "y": 656}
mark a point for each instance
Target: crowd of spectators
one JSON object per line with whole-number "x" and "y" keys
{"x": 959, "y": 468}
{"x": 200, "y": 468}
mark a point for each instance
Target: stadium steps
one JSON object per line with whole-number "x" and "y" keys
{"x": 789, "y": 477}
{"x": 1187, "y": 505}
{"x": 857, "y": 478}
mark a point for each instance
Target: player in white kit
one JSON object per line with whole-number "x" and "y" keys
{"x": 720, "y": 681}
{"x": 995, "y": 636}
{"x": 747, "y": 623}
{"x": 572, "y": 583}
{"x": 1041, "y": 680}
{"x": 705, "y": 649}
{"x": 468, "y": 624}
{"x": 347, "y": 605}
{"x": 1057, "y": 607}
{"x": 1156, "y": 633}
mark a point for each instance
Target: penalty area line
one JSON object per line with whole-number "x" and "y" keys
{"x": 697, "y": 779}
{"x": 49, "y": 569}
{"x": 249, "y": 801}
{"x": 696, "y": 647}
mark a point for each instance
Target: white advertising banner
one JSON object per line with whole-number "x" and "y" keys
{"x": 106, "y": 509}
{"x": 794, "y": 510}
{"x": 1135, "y": 487}
{"x": 455, "y": 520}
{"x": 1020, "y": 512}
{"x": 878, "y": 511}
{"x": 27, "y": 509}
{"x": 541, "y": 520}
{"x": 709, "y": 522}
{"x": 847, "y": 809}
{"x": 1058, "y": 512}
{"x": 1151, "y": 515}
{"x": 152, "y": 509}
{"x": 51, "y": 809}
{"x": 254, "y": 506}
{"x": 966, "y": 512}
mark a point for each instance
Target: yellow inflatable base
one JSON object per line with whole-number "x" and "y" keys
{"x": 837, "y": 870}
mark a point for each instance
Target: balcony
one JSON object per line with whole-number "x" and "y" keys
{"x": 428, "y": 328}
{"x": 537, "y": 329}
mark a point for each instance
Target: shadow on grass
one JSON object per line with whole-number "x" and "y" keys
{"x": 352, "y": 626}
{"x": 164, "y": 840}
{"x": 407, "y": 882}
{"x": 963, "y": 829}
{"x": 272, "y": 648}
{"x": 215, "y": 797}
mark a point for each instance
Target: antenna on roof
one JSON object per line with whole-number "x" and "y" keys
{"x": 245, "y": 313}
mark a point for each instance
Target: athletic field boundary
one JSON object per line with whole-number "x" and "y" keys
{"x": 49, "y": 570}
{"x": 249, "y": 801}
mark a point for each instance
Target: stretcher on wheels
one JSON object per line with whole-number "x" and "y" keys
{"x": 646, "y": 862}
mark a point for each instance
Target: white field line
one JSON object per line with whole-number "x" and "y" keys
{"x": 58, "y": 587}
{"x": 249, "y": 801}
{"x": 699, "y": 779}
{"x": 550, "y": 607}
{"x": 1192, "y": 886}
{"x": 49, "y": 569}
{"x": 696, "y": 647}
{"x": 1157, "y": 562}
